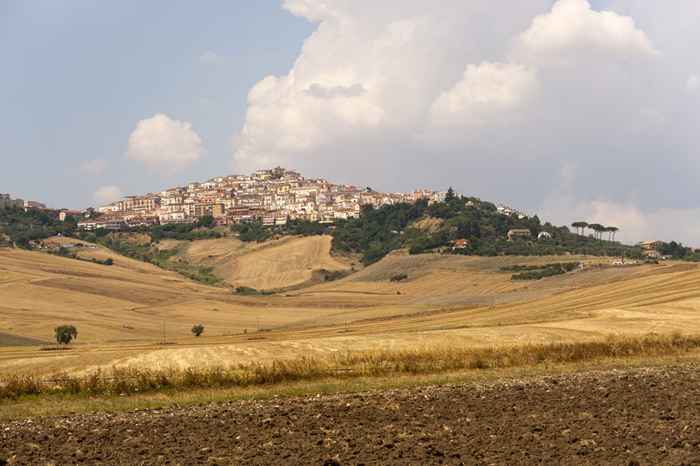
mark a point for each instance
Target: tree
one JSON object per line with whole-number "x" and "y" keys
{"x": 580, "y": 226}
{"x": 450, "y": 196}
{"x": 65, "y": 334}
{"x": 197, "y": 330}
{"x": 613, "y": 231}
{"x": 598, "y": 229}
{"x": 206, "y": 221}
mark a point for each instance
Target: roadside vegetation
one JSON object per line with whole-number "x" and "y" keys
{"x": 126, "y": 381}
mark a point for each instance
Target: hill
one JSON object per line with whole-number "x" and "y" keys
{"x": 269, "y": 265}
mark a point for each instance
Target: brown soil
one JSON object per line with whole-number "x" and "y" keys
{"x": 634, "y": 417}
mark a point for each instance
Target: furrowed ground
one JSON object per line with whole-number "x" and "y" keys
{"x": 626, "y": 417}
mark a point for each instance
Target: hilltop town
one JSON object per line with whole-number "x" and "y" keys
{"x": 272, "y": 197}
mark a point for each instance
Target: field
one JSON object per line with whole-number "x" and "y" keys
{"x": 622, "y": 417}
{"x": 135, "y": 315}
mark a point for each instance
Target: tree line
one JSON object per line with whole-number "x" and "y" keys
{"x": 598, "y": 230}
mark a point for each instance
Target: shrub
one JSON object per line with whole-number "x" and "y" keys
{"x": 197, "y": 330}
{"x": 399, "y": 277}
{"x": 65, "y": 334}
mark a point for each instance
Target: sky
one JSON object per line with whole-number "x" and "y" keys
{"x": 571, "y": 109}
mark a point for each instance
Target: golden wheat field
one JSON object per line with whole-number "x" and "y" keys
{"x": 134, "y": 314}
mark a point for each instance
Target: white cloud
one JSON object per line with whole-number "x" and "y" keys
{"x": 572, "y": 27}
{"x": 492, "y": 99}
{"x": 93, "y": 167}
{"x": 107, "y": 194}
{"x": 486, "y": 91}
{"x": 211, "y": 58}
{"x": 164, "y": 144}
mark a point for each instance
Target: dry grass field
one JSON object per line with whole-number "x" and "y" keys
{"x": 125, "y": 311}
{"x": 278, "y": 264}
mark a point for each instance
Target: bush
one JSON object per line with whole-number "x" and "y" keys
{"x": 197, "y": 330}
{"x": 399, "y": 277}
{"x": 65, "y": 334}
{"x": 546, "y": 271}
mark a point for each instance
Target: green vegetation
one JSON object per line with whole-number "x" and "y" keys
{"x": 65, "y": 334}
{"x": 129, "y": 381}
{"x": 22, "y": 227}
{"x": 185, "y": 232}
{"x": 538, "y": 272}
{"x": 251, "y": 231}
{"x": 248, "y": 291}
{"x": 380, "y": 231}
{"x": 399, "y": 277}
{"x": 161, "y": 258}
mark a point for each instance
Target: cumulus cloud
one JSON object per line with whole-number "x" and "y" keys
{"x": 93, "y": 167}
{"x": 332, "y": 92}
{"x": 486, "y": 91}
{"x": 107, "y": 194}
{"x": 573, "y": 26}
{"x": 164, "y": 144}
{"x": 451, "y": 93}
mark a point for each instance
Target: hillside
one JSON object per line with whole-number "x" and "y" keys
{"x": 120, "y": 310}
{"x": 269, "y": 265}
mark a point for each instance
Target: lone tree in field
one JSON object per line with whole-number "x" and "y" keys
{"x": 65, "y": 334}
{"x": 197, "y": 330}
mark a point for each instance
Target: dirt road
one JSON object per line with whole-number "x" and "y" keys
{"x": 639, "y": 417}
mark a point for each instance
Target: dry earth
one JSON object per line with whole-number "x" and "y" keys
{"x": 624, "y": 417}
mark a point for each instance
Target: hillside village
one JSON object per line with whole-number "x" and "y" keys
{"x": 272, "y": 197}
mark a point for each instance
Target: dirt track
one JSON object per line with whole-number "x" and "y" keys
{"x": 641, "y": 417}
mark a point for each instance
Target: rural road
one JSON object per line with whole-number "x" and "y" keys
{"x": 634, "y": 417}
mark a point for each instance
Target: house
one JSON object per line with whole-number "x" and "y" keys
{"x": 652, "y": 254}
{"x": 544, "y": 235}
{"x": 519, "y": 233}
{"x": 460, "y": 244}
{"x": 69, "y": 213}
{"x": 651, "y": 245}
{"x": 107, "y": 224}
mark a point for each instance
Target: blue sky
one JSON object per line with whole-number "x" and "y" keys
{"x": 75, "y": 81}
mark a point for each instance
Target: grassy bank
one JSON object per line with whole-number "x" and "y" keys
{"x": 121, "y": 382}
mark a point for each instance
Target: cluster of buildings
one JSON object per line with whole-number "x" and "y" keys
{"x": 6, "y": 201}
{"x": 272, "y": 196}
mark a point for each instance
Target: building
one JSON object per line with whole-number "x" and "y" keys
{"x": 34, "y": 205}
{"x": 460, "y": 244}
{"x": 106, "y": 224}
{"x": 519, "y": 234}
{"x": 64, "y": 214}
{"x": 651, "y": 245}
{"x": 7, "y": 201}
{"x": 271, "y": 196}
{"x": 544, "y": 235}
